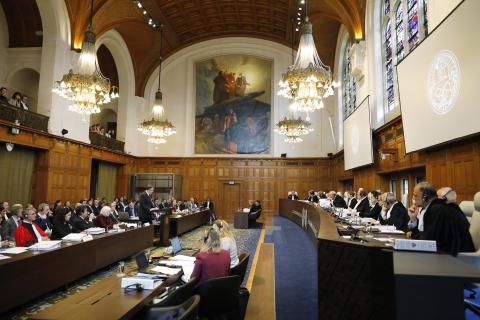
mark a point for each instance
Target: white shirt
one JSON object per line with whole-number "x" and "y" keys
{"x": 229, "y": 244}
{"x": 420, "y": 218}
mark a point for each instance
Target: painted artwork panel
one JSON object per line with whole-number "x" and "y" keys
{"x": 233, "y": 105}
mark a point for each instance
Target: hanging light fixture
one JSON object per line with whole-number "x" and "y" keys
{"x": 292, "y": 128}
{"x": 158, "y": 128}
{"x": 307, "y": 81}
{"x": 87, "y": 88}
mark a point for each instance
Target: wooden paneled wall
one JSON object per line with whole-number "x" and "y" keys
{"x": 263, "y": 179}
{"x": 63, "y": 169}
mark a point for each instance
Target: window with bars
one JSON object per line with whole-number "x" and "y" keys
{"x": 349, "y": 84}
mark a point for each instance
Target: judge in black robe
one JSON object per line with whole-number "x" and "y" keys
{"x": 398, "y": 217}
{"x": 352, "y": 203}
{"x": 441, "y": 223}
{"x": 339, "y": 202}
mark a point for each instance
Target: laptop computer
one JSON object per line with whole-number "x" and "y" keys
{"x": 143, "y": 264}
{"x": 178, "y": 249}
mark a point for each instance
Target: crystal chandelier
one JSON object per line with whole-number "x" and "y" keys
{"x": 88, "y": 88}
{"x": 308, "y": 81}
{"x": 293, "y": 128}
{"x": 158, "y": 128}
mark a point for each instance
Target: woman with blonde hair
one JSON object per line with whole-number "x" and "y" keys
{"x": 212, "y": 261}
{"x": 227, "y": 241}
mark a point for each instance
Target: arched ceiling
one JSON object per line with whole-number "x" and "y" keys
{"x": 24, "y": 23}
{"x": 190, "y": 21}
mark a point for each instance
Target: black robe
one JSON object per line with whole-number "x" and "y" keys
{"x": 373, "y": 213}
{"x": 441, "y": 223}
{"x": 398, "y": 217}
{"x": 339, "y": 202}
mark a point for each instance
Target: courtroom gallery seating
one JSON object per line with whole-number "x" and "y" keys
{"x": 241, "y": 268}
{"x": 185, "y": 311}
{"x": 219, "y": 297}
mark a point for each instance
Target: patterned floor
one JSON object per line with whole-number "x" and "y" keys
{"x": 246, "y": 242}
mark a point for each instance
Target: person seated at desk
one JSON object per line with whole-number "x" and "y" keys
{"x": 29, "y": 232}
{"x": 113, "y": 212}
{"x": 192, "y": 204}
{"x": 212, "y": 261}
{"x": 351, "y": 200}
{"x": 131, "y": 210}
{"x": 104, "y": 219}
{"x": 61, "y": 224}
{"x": 292, "y": 195}
{"x": 450, "y": 197}
{"x": 336, "y": 199}
{"x": 80, "y": 219}
{"x": 393, "y": 212}
{"x": 227, "y": 241}
{"x": 5, "y": 209}
{"x": 96, "y": 207}
{"x": 44, "y": 218}
{"x": 375, "y": 208}
{"x": 440, "y": 222}
{"x": 312, "y": 197}
{"x": 362, "y": 206}
{"x": 122, "y": 204}
{"x": 13, "y": 223}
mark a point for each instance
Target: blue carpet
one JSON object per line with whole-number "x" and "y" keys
{"x": 469, "y": 315}
{"x": 295, "y": 271}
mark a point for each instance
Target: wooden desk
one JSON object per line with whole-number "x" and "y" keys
{"x": 240, "y": 220}
{"x": 47, "y": 271}
{"x": 104, "y": 300}
{"x": 371, "y": 281}
{"x": 181, "y": 224}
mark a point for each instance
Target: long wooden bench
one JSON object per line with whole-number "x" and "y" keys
{"x": 261, "y": 304}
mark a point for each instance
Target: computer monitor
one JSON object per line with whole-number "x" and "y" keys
{"x": 141, "y": 260}
{"x": 176, "y": 245}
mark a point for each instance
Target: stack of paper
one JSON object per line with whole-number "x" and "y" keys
{"x": 2, "y": 257}
{"x": 165, "y": 270}
{"x": 46, "y": 245}
{"x": 15, "y": 250}
{"x": 74, "y": 237}
{"x": 96, "y": 230}
{"x": 181, "y": 257}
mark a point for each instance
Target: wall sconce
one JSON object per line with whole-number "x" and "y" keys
{"x": 389, "y": 152}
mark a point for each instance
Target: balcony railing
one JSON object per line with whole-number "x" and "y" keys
{"x": 23, "y": 117}
{"x": 105, "y": 142}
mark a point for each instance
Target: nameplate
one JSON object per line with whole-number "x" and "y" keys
{"x": 415, "y": 245}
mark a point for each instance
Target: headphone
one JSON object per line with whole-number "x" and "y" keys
{"x": 428, "y": 193}
{"x": 135, "y": 287}
{"x": 444, "y": 197}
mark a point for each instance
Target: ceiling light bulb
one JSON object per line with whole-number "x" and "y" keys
{"x": 144, "y": 11}
{"x": 139, "y": 4}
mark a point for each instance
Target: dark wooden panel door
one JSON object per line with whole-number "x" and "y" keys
{"x": 230, "y": 201}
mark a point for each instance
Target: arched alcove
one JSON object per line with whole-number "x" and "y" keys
{"x": 107, "y": 119}
{"x": 26, "y": 82}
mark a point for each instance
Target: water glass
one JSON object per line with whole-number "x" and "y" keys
{"x": 121, "y": 269}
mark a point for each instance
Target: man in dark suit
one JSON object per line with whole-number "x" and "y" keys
{"x": 393, "y": 212}
{"x": 362, "y": 206}
{"x": 12, "y": 223}
{"x": 146, "y": 206}
{"x": 79, "y": 220}
{"x": 375, "y": 208}
{"x": 337, "y": 200}
{"x": 132, "y": 211}
{"x": 351, "y": 201}
{"x": 96, "y": 207}
{"x": 208, "y": 204}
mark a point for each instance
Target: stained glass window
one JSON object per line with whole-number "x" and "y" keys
{"x": 404, "y": 26}
{"x": 349, "y": 85}
{"x": 386, "y": 6}
{"x": 399, "y": 31}
{"x": 413, "y": 37}
{"x": 389, "y": 65}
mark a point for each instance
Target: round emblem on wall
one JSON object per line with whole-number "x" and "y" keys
{"x": 443, "y": 83}
{"x": 355, "y": 139}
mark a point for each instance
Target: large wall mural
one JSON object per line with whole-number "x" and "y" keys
{"x": 233, "y": 105}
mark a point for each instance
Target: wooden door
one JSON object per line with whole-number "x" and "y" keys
{"x": 230, "y": 201}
